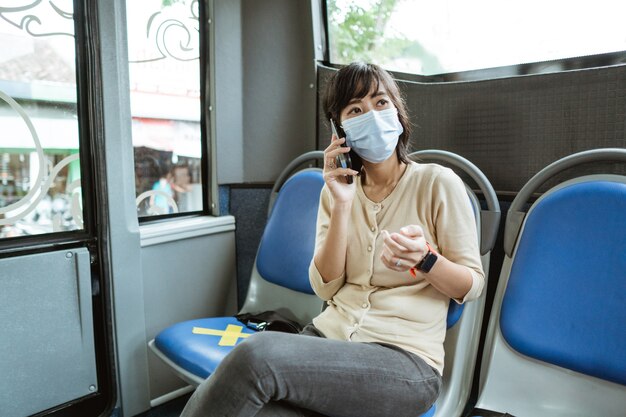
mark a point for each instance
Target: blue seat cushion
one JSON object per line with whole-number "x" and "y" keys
{"x": 454, "y": 313}
{"x": 198, "y": 346}
{"x": 564, "y": 302}
{"x": 293, "y": 220}
{"x": 430, "y": 412}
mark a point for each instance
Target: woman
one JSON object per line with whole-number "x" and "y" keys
{"x": 392, "y": 247}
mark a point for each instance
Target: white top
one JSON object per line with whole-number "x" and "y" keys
{"x": 371, "y": 303}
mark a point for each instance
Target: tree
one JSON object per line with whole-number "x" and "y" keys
{"x": 359, "y": 33}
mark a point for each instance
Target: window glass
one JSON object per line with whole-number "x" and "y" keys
{"x": 164, "y": 70}
{"x": 40, "y": 187}
{"x": 435, "y": 37}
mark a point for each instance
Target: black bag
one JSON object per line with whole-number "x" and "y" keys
{"x": 269, "y": 321}
{"x": 488, "y": 413}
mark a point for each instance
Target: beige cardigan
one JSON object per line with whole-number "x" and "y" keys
{"x": 371, "y": 303}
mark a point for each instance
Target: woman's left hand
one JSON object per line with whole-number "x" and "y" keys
{"x": 404, "y": 249}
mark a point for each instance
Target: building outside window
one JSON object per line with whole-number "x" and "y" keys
{"x": 40, "y": 188}
{"x": 40, "y": 179}
{"x": 164, "y": 67}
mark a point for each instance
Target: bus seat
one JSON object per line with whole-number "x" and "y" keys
{"x": 279, "y": 280}
{"x": 191, "y": 356}
{"x": 556, "y": 340}
{"x": 464, "y": 320}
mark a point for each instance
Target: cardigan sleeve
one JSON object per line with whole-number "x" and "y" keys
{"x": 456, "y": 231}
{"x": 325, "y": 290}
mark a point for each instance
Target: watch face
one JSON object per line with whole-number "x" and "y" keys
{"x": 428, "y": 262}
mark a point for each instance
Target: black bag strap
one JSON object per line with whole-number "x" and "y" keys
{"x": 269, "y": 321}
{"x": 479, "y": 412}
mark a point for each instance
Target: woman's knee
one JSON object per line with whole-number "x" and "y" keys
{"x": 258, "y": 346}
{"x": 254, "y": 353}
{"x": 269, "y": 353}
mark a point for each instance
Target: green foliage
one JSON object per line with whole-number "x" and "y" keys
{"x": 356, "y": 37}
{"x": 361, "y": 34}
{"x": 166, "y": 3}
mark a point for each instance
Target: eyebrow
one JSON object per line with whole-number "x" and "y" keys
{"x": 373, "y": 95}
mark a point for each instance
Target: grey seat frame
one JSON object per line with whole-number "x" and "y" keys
{"x": 523, "y": 386}
{"x": 462, "y": 339}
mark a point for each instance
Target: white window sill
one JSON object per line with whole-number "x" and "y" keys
{"x": 170, "y": 231}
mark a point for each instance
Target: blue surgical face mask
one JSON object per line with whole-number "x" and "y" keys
{"x": 373, "y": 135}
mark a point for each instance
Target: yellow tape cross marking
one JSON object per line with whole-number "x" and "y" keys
{"x": 230, "y": 336}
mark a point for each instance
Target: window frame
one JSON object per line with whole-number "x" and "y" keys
{"x": 87, "y": 76}
{"x": 602, "y": 60}
{"x": 89, "y": 111}
{"x": 208, "y": 172}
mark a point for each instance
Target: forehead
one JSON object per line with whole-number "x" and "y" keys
{"x": 364, "y": 84}
{"x": 375, "y": 89}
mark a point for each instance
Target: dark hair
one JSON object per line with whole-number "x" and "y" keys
{"x": 355, "y": 81}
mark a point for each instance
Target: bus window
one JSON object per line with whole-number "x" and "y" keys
{"x": 439, "y": 37}
{"x": 40, "y": 176}
{"x": 164, "y": 71}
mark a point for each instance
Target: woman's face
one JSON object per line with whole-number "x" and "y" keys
{"x": 376, "y": 99}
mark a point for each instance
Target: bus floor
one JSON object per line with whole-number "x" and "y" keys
{"x": 169, "y": 409}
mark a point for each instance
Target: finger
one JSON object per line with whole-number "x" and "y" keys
{"x": 334, "y": 144}
{"x": 347, "y": 171}
{"x": 338, "y": 174}
{"x": 394, "y": 259}
{"x": 412, "y": 231}
{"x": 396, "y": 247}
{"x": 335, "y": 141}
{"x": 410, "y": 244}
{"x": 335, "y": 138}
{"x": 330, "y": 154}
{"x": 401, "y": 264}
{"x": 396, "y": 263}
{"x": 334, "y": 152}
{"x": 386, "y": 254}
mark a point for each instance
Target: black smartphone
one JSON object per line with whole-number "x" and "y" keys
{"x": 343, "y": 160}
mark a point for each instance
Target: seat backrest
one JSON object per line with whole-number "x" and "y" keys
{"x": 280, "y": 277}
{"x": 464, "y": 321}
{"x": 556, "y": 342}
{"x": 288, "y": 240}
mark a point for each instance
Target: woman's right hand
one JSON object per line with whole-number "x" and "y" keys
{"x": 334, "y": 176}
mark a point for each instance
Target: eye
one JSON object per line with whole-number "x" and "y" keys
{"x": 383, "y": 102}
{"x": 354, "y": 110}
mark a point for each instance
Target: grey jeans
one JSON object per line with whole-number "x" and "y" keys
{"x": 273, "y": 374}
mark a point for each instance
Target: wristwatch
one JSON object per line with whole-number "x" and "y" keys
{"x": 428, "y": 261}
